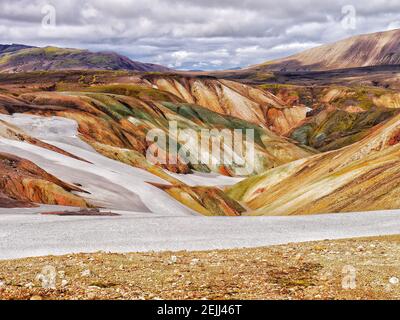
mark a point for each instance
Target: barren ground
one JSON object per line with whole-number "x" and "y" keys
{"x": 311, "y": 270}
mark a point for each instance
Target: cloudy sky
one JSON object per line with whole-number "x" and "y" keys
{"x": 193, "y": 34}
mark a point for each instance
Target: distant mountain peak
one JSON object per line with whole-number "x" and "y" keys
{"x": 4, "y": 48}
{"x": 23, "y": 58}
{"x": 374, "y": 49}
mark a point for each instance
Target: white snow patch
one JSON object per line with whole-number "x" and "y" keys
{"x": 111, "y": 184}
{"x": 48, "y": 128}
{"x": 206, "y": 179}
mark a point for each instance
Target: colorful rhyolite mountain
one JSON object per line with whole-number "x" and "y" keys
{"x": 91, "y": 140}
{"x": 78, "y": 137}
{"x": 112, "y": 121}
{"x": 382, "y": 48}
{"x": 360, "y": 177}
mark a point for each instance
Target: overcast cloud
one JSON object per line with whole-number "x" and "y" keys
{"x": 189, "y": 34}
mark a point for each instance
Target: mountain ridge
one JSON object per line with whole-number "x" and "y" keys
{"x": 16, "y": 58}
{"x": 371, "y": 49}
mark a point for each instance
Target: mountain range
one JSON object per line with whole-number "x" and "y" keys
{"x": 377, "y": 49}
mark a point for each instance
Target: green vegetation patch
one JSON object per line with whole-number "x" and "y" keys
{"x": 136, "y": 91}
{"x": 341, "y": 128}
{"x": 213, "y": 119}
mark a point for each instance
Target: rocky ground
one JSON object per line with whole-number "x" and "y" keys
{"x": 366, "y": 268}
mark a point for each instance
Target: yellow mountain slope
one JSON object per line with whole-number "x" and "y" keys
{"x": 363, "y": 176}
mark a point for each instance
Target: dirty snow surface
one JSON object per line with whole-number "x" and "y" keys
{"x": 28, "y": 233}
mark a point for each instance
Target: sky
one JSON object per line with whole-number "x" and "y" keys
{"x": 193, "y": 34}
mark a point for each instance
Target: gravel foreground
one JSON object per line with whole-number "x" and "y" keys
{"x": 365, "y": 268}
